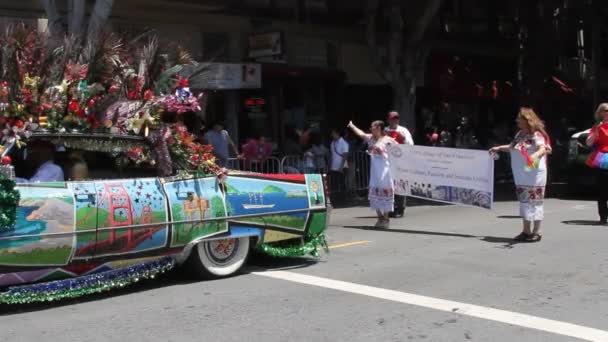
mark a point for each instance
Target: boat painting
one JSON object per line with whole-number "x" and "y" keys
{"x": 253, "y": 197}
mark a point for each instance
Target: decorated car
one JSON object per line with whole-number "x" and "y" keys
{"x": 134, "y": 193}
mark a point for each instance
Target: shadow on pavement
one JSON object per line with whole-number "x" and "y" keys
{"x": 175, "y": 277}
{"x": 583, "y": 223}
{"x": 171, "y": 278}
{"x": 509, "y": 217}
{"x": 261, "y": 262}
{"x": 509, "y": 242}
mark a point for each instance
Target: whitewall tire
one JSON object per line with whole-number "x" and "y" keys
{"x": 218, "y": 258}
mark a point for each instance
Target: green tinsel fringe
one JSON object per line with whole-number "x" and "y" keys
{"x": 309, "y": 247}
{"x": 86, "y": 285}
{"x": 9, "y": 200}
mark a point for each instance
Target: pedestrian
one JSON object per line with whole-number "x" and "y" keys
{"x": 402, "y": 136}
{"x": 316, "y": 156}
{"x": 381, "y": 186}
{"x": 338, "y": 167}
{"x": 529, "y": 150}
{"x": 466, "y": 138}
{"x": 219, "y": 138}
{"x": 256, "y": 153}
{"x": 598, "y": 140}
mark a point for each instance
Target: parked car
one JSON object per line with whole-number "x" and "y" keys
{"x": 122, "y": 216}
{"x": 580, "y": 177}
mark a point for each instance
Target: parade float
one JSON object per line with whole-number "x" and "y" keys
{"x": 154, "y": 198}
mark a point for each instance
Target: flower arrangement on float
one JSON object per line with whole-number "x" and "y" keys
{"x": 112, "y": 88}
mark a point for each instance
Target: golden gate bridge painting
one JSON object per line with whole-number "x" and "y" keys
{"x": 120, "y": 207}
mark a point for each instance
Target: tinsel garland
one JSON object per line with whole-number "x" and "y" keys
{"x": 310, "y": 246}
{"x": 9, "y": 200}
{"x": 86, "y": 285}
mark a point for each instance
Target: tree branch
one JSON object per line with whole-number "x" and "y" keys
{"x": 395, "y": 47}
{"x": 372, "y": 12}
{"x": 76, "y": 10}
{"x": 99, "y": 17}
{"x": 420, "y": 27}
{"x": 55, "y": 27}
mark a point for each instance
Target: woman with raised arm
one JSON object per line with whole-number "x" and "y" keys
{"x": 528, "y": 151}
{"x": 381, "y": 186}
{"x": 598, "y": 140}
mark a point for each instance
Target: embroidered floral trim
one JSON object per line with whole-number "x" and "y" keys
{"x": 381, "y": 192}
{"x": 528, "y": 194}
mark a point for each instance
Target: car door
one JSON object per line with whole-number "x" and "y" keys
{"x": 198, "y": 209}
{"x": 132, "y": 216}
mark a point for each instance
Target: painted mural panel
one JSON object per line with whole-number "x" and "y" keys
{"x": 44, "y": 233}
{"x": 85, "y": 197}
{"x": 273, "y": 199}
{"x": 316, "y": 195}
{"x": 201, "y": 203}
{"x": 127, "y": 211}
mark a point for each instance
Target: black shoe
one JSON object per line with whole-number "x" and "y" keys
{"x": 521, "y": 237}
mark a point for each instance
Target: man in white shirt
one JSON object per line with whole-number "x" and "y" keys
{"x": 403, "y": 136}
{"x": 40, "y": 154}
{"x": 338, "y": 166}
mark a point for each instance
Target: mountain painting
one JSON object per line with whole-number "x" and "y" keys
{"x": 42, "y": 210}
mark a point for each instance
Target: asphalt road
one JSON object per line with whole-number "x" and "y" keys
{"x": 544, "y": 291}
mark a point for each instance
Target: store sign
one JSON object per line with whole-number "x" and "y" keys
{"x": 265, "y": 44}
{"x": 224, "y": 76}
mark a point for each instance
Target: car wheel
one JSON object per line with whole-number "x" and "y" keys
{"x": 218, "y": 258}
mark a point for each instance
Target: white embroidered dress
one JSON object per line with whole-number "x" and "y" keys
{"x": 530, "y": 182}
{"x": 381, "y": 186}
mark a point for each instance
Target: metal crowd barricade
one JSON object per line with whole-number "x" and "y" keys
{"x": 270, "y": 165}
{"x": 300, "y": 164}
{"x": 292, "y": 164}
{"x": 358, "y": 177}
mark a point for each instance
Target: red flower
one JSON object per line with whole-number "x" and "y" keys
{"x": 182, "y": 83}
{"x": 19, "y": 124}
{"x": 195, "y": 158}
{"x": 73, "y": 106}
{"x": 91, "y": 103}
{"x": 113, "y": 88}
{"x": 148, "y": 95}
{"x": 132, "y": 95}
{"x": 81, "y": 113}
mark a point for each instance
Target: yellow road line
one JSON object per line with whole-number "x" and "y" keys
{"x": 348, "y": 244}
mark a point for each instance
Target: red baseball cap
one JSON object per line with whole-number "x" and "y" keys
{"x": 393, "y": 115}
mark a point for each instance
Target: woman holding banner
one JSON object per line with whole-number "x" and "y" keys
{"x": 381, "y": 186}
{"x": 528, "y": 151}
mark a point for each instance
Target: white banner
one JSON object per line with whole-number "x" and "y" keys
{"x": 444, "y": 174}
